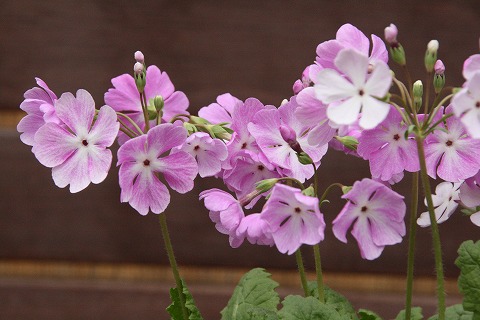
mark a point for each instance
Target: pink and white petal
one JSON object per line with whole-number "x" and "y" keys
{"x": 310, "y": 110}
{"x": 353, "y": 64}
{"x": 125, "y": 96}
{"x": 462, "y": 102}
{"x": 149, "y": 192}
{"x": 457, "y": 165}
{"x": 373, "y": 112}
{"x": 231, "y": 217}
{"x": 343, "y": 222}
{"x": 128, "y": 173}
{"x": 54, "y": 145}
{"x": 362, "y": 233}
{"x": 471, "y": 66}
{"x": 32, "y": 106}
{"x": 158, "y": 83}
{"x": 164, "y": 137}
{"x": 215, "y": 114}
{"x": 133, "y": 150}
{"x": 76, "y": 112}
{"x": 105, "y": 129}
{"x": 216, "y": 199}
{"x": 471, "y": 121}
{"x": 228, "y": 101}
{"x": 470, "y": 196}
{"x": 45, "y": 87}
{"x": 177, "y": 103}
{"x": 350, "y": 36}
{"x": 28, "y": 127}
{"x": 179, "y": 169}
{"x": 73, "y": 171}
{"x": 208, "y": 164}
{"x": 287, "y": 238}
{"x": 345, "y": 112}
{"x": 326, "y": 53}
{"x": 313, "y": 227}
{"x": 379, "y": 81}
{"x": 386, "y": 232}
{"x": 99, "y": 162}
{"x": 379, "y": 51}
{"x": 331, "y": 86}
{"x": 244, "y": 114}
{"x": 475, "y": 218}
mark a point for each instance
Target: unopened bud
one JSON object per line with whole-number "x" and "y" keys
{"x": 346, "y": 189}
{"x": 348, "y": 141}
{"x": 398, "y": 54}
{"x": 439, "y": 67}
{"x": 310, "y": 191}
{"x": 284, "y": 101}
{"x": 139, "y": 57}
{"x": 219, "y": 132}
{"x": 304, "y": 158}
{"x": 417, "y": 94}
{"x": 431, "y": 55}
{"x": 265, "y": 185}
{"x": 287, "y": 133}
{"x": 158, "y": 103}
{"x": 391, "y": 33}
{"x": 138, "y": 67}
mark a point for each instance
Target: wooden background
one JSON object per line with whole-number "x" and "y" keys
{"x": 250, "y": 49}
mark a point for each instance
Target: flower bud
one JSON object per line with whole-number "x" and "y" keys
{"x": 304, "y": 158}
{"x": 287, "y": 133}
{"x": 348, "y": 141}
{"x": 158, "y": 103}
{"x": 310, "y": 192}
{"x": 139, "y": 57}
{"x": 139, "y": 75}
{"x": 439, "y": 77}
{"x": 346, "y": 189}
{"x": 391, "y": 33}
{"x": 439, "y": 67}
{"x": 265, "y": 185}
{"x": 431, "y": 55}
{"x": 417, "y": 94}
{"x": 398, "y": 54}
{"x": 138, "y": 68}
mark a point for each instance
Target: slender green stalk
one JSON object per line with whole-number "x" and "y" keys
{"x": 411, "y": 245}
{"x": 145, "y": 111}
{"x": 173, "y": 263}
{"x": 325, "y": 193}
{"x": 318, "y": 269}
{"x": 301, "y": 271}
{"x": 435, "y": 232}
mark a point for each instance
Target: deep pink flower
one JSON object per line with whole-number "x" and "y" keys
{"x": 226, "y": 212}
{"x": 124, "y": 97}
{"x": 377, "y": 214}
{"x": 350, "y": 37}
{"x": 387, "y": 150}
{"x": 76, "y": 150}
{"x": 39, "y": 106}
{"x": 142, "y": 159}
{"x": 347, "y": 97}
{"x": 293, "y": 218}
{"x": 208, "y": 152}
{"x": 453, "y": 155}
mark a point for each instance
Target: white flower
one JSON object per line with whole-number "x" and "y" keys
{"x": 466, "y": 106}
{"x": 445, "y": 202}
{"x": 359, "y": 91}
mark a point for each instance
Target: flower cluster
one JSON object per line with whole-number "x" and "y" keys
{"x": 348, "y": 100}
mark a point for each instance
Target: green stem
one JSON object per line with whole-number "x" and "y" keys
{"x": 318, "y": 269}
{"x": 325, "y": 193}
{"x": 411, "y": 245}
{"x": 435, "y": 232}
{"x": 173, "y": 263}
{"x": 301, "y": 271}
{"x": 145, "y": 112}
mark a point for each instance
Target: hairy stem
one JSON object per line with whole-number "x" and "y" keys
{"x": 173, "y": 263}
{"x": 411, "y": 245}
{"x": 301, "y": 271}
{"x": 318, "y": 269}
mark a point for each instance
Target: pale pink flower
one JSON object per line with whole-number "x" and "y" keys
{"x": 466, "y": 105}
{"x": 293, "y": 218}
{"x": 445, "y": 200}
{"x": 255, "y": 229}
{"x": 142, "y": 160}
{"x": 471, "y": 66}
{"x": 470, "y": 196}
{"x": 360, "y": 92}
{"x": 220, "y": 111}
{"x": 76, "y": 150}
{"x": 377, "y": 214}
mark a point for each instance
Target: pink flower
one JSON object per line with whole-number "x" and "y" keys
{"x": 376, "y": 213}
{"x": 445, "y": 201}
{"x": 347, "y": 97}
{"x": 391, "y": 33}
{"x": 76, "y": 150}
{"x": 142, "y": 160}
{"x": 226, "y": 212}
{"x": 124, "y": 97}
{"x": 39, "y": 106}
{"x": 350, "y": 37}
{"x": 453, "y": 155}
{"x": 466, "y": 105}
{"x": 471, "y": 66}
{"x": 470, "y": 196}
{"x": 208, "y": 152}
{"x": 222, "y": 110}
{"x": 255, "y": 230}
{"x": 293, "y": 218}
{"x": 387, "y": 150}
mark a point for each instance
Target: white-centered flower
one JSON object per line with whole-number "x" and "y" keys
{"x": 445, "y": 202}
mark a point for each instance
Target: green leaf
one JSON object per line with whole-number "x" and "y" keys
{"x": 416, "y": 314}
{"x": 175, "y": 309}
{"x": 334, "y": 299}
{"x": 469, "y": 280}
{"x": 368, "y": 315}
{"x": 301, "y": 308}
{"x": 254, "y": 294}
{"x": 455, "y": 312}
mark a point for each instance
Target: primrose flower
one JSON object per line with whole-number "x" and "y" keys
{"x": 226, "y": 212}
{"x": 387, "y": 150}
{"x": 221, "y": 111}
{"x": 350, "y": 37}
{"x": 142, "y": 159}
{"x": 39, "y": 106}
{"x": 360, "y": 92}
{"x": 255, "y": 230}
{"x": 471, "y": 66}
{"x": 208, "y": 152}
{"x": 124, "y": 97}
{"x": 445, "y": 201}
{"x": 453, "y": 155}
{"x": 293, "y": 218}
{"x": 377, "y": 214}
{"x": 466, "y": 105}
{"x": 470, "y": 196}
{"x": 76, "y": 150}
